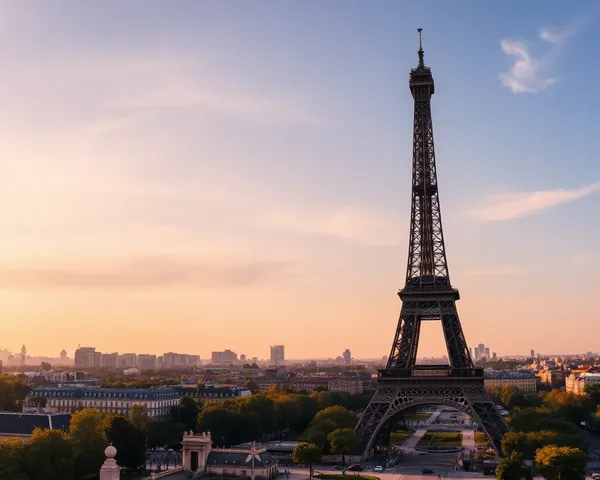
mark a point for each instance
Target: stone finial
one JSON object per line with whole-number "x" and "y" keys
{"x": 110, "y": 470}
{"x": 191, "y": 432}
{"x": 110, "y": 452}
{"x": 185, "y": 434}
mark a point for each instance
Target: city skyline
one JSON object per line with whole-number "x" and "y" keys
{"x": 243, "y": 184}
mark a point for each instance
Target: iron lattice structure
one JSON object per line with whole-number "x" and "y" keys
{"x": 427, "y": 295}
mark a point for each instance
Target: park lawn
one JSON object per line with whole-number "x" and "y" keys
{"x": 480, "y": 438}
{"x": 435, "y": 438}
{"x": 417, "y": 416}
{"x": 398, "y": 436}
{"x": 332, "y": 476}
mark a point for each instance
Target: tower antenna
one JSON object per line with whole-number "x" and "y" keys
{"x": 421, "y": 52}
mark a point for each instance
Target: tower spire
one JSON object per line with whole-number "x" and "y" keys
{"x": 420, "y": 52}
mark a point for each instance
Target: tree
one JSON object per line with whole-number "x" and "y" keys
{"x": 307, "y": 454}
{"x": 88, "y": 436}
{"x": 12, "y": 458}
{"x": 186, "y": 412}
{"x": 513, "y": 468}
{"x": 45, "y": 366}
{"x": 593, "y": 392}
{"x": 561, "y": 463}
{"x": 316, "y": 435}
{"x": 49, "y": 456}
{"x": 13, "y": 390}
{"x": 343, "y": 441}
{"x": 338, "y": 415}
{"x": 228, "y": 427}
{"x": 289, "y": 411}
{"x": 129, "y": 441}
{"x": 252, "y": 385}
{"x": 262, "y": 407}
{"x": 138, "y": 415}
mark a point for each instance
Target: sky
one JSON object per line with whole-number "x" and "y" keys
{"x": 199, "y": 176}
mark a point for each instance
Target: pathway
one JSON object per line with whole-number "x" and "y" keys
{"x": 468, "y": 440}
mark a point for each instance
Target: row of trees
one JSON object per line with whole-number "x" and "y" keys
{"x": 272, "y": 412}
{"x": 78, "y": 453}
{"x": 545, "y": 429}
{"x": 553, "y": 462}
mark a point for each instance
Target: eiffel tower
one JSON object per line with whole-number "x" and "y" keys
{"x": 427, "y": 295}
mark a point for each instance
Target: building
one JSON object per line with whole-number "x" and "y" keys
{"x": 347, "y": 355}
{"x": 200, "y": 456}
{"x": 524, "y": 381}
{"x": 22, "y": 425}
{"x": 157, "y": 401}
{"x": 552, "y": 376}
{"x": 348, "y": 385}
{"x": 486, "y": 353}
{"x": 147, "y": 361}
{"x": 179, "y": 360}
{"x": 277, "y": 355}
{"x": 63, "y": 354}
{"x": 62, "y": 377}
{"x": 494, "y": 356}
{"x": 532, "y": 353}
{"x": 87, "y": 357}
{"x": 23, "y": 356}
{"x": 243, "y": 358}
{"x": 226, "y": 357}
{"x": 216, "y": 394}
{"x": 128, "y": 360}
{"x": 576, "y": 383}
{"x": 109, "y": 360}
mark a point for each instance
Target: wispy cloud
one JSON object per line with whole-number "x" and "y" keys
{"x": 509, "y": 206}
{"x": 356, "y": 224}
{"x": 495, "y": 271}
{"x": 146, "y": 273}
{"x": 531, "y": 74}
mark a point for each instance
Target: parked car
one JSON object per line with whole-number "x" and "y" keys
{"x": 422, "y": 452}
{"x": 355, "y": 468}
{"x": 378, "y": 468}
{"x": 427, "y": 470}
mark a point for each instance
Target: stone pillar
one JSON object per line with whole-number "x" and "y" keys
{"x": 110, "y": 470}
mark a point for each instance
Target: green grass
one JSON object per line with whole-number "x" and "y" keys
{"x": 416, "y": 415}
{"x": 398, "y": 436}
{"x": 326, "y": 476}
{"x": 481, "y": 439}
{"x": 434, "y": 438}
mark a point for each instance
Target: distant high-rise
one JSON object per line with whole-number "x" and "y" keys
{"x": 128, "y": 360}
{"x": 87, "y": 357}
{"x": 494, "y": 356}
{"x": 63, "y": 354}
{"x": 147, "y": 361}
{"x": 225, "y": 357}
{"x": 486, "y": 353}
{"x": 243, "y": 358}
{"x": 277, "y": 355}
{"x": 23, "y": 355}
{"x": 109, "y": 360}
{"x": 347, "y": 357}
{"x": 476, "y": 358}
{"x": 532, "y": 354}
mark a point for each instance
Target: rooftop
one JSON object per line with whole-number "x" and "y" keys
{"x": 15, "y": 423}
